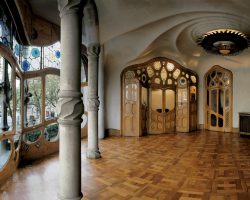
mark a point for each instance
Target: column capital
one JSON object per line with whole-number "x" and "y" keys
{"x": 70, "y": 6}
{"x": 93, "y": 49}
{"x": 69, "y": 107}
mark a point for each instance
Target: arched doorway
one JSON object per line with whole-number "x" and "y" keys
{"x": 218, "y": 99}
{"x": 158, "y": 96}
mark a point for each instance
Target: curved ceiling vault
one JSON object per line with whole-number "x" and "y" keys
{"x": 163, "y": 27}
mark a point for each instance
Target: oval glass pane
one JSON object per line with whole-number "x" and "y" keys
{"x": 32, "y": 136}
{"x": 51, "y": 132}
{"x": 213, "y": 120}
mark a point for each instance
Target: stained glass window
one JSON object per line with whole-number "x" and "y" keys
{"x": 176, "y": 73}
{"x": 164, "y": 75}
{"x": 157, "y": 65}
{"x": 52, "y": 56}
{"x": 16, "y": 50}
{"x": 5, "y": 36}
{"x": 193, "y": 79}
{"x": 31, "y": 58}
{"x": 170, "y": 66}
{"x": 150, "y": 71}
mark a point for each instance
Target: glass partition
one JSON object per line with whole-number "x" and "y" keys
{"x": 6, "y": 102}
{"x": 5, "y": 152}
{"x": 51, "y": 95}
{"x": 157, "y": 100}
{"x": 32, "y": 101}
{"x": 169, "y": 100}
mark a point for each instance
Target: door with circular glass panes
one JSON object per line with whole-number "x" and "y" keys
{"x": 158, "y": 96}
{"x": 218, "y": 99}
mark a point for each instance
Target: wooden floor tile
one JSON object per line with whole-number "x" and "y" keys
{"x": 196, "y": 166}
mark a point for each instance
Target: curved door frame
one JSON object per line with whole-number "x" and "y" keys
{"x": 207, "y": 98}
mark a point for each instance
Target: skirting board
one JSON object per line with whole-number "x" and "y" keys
{"x": 112, "y": 132}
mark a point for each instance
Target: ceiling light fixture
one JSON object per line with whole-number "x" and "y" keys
{"x": 224, "y": 41}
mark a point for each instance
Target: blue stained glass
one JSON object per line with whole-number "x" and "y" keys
{"x": 5, "y": 41}
{"x": 17, "y": 49}
{"x": 25, "y": 65}
{"x": 52, "y": 55}
{"x": 4, "y": 29}
{"x": 58, "y": 54}
{"x": 35, "y": 52}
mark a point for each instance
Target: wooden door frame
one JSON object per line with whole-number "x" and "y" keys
{"x": 205, "y": 108}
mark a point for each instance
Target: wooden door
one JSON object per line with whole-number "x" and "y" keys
{"x": 182, "y": 107}
{"x": 156, "y": 122}
{"x": 192, "y": 108}
{"x": 218, "y": 101}
{"x": 131, "y": 108}
{"x": 169, "y": 108}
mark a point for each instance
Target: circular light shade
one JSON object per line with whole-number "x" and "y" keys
{"x": 224, "y": 42}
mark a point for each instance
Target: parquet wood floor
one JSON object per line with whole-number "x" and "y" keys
{"x": 197, "y": 166}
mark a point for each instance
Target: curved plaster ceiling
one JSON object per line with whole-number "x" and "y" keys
{"x": 144, "y": 29}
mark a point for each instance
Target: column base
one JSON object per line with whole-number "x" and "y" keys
{"x": 74, "y": 198}
{"x": 93, "y": 154}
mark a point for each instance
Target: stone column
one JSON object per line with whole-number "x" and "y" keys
{"x": 101, "y": 117}
{"x": 70, "y": 106}
{"x": 93, "y": 50}
{"x": 93, "y": 102}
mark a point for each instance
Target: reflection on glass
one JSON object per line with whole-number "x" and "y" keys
{"x": 51, "y": 96}
{"x": 214, "y": 100}
{"x": 32, "y": 101}
{"x": 221, "y": 99}
{"x": 169, "y": 100}
{"x": 51, "y": 132}
{"x": 5, "y": 152}
{"x": 32, "y": 136}
{"x": 220, "y": 122}
{"x": 213, "y": 120}
{"x": 157, "y": 100}
{"x": 6, "y": 101}
{"x": 18, "y": 103}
